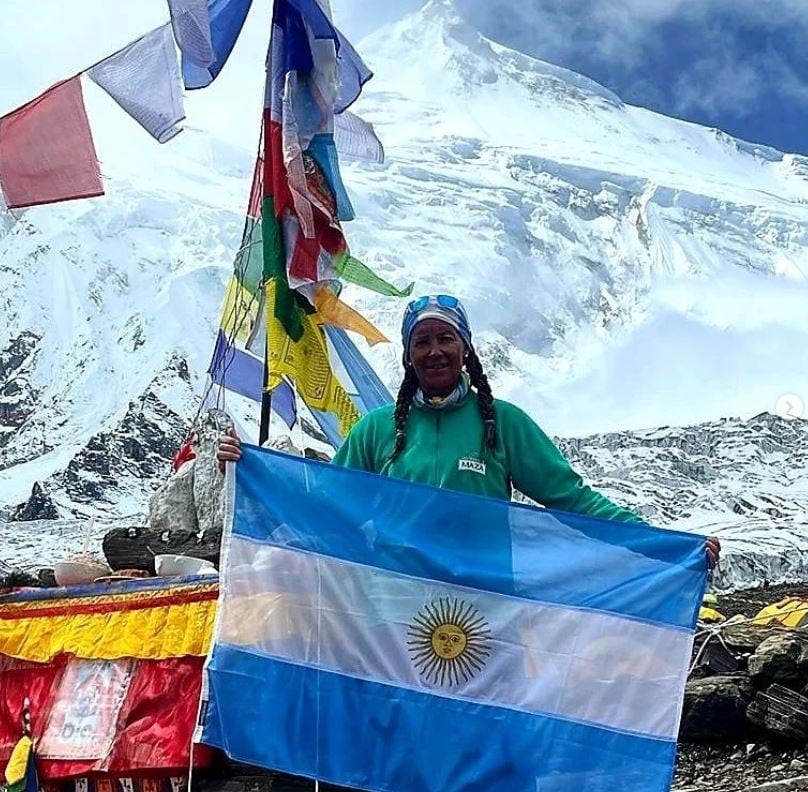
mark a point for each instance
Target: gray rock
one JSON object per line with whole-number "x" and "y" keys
{"x": 781, "y": 711}
{"x": 208, "y": 484}
{"x": 172, "y": 507}
{"x": 715, "y": 709}
{"x": 745, "y": 638}
{"x": 780, "y": 658}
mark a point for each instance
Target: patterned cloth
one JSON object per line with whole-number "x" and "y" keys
{"x": 439, "y": 402}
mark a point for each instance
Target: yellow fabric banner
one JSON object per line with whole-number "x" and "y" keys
{"x": 306, "y": 362}
{"x": 335, "y": 312}
{"x": 148, "y": 625}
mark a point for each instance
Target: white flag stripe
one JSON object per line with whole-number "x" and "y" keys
{"x": 453, "y": 641}
{"x": 144, "y": 79}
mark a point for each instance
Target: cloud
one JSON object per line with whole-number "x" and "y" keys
{"x": 724, "y": 63}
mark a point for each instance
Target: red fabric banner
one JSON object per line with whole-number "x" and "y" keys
{"x": 154, "y": 725}
{"x": 46, "y": 149}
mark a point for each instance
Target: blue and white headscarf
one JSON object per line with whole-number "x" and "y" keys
{"x": 437, "y": 306}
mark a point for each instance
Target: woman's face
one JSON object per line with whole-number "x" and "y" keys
{"x": 436, "y": 352}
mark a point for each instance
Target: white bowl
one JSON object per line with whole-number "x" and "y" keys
{"x": 73, "y": 573}
{"x": 182, "y": 566}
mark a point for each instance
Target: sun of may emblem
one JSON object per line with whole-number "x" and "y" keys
{"x": 448, "y": 642}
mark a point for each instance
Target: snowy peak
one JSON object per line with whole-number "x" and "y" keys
{"x": 437, "y": 50}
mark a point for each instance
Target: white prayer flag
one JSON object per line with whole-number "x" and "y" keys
{"x": 356, "y": 140}
{"x": 144, "y": 79}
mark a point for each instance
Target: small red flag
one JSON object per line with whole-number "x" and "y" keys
{"x": 46, "y": 149}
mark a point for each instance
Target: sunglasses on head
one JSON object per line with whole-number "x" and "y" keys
{"x": 443, "y": 300}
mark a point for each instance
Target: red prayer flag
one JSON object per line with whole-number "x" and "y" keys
{"x": 46, "y": 149}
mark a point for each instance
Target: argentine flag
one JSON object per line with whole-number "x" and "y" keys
{"x": 385, "y": 635}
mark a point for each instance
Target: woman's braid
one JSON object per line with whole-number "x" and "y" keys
{"x": 406, "y": 393}
{"x": 485, "y": 399}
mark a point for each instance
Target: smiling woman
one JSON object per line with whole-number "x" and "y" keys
{"x": 447, "y": 430}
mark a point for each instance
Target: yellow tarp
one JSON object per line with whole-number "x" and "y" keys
{"x": 151, "y": 625}
{"x": 788, "y": 612}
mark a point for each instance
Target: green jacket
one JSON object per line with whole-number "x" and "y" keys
{"x": 445, "y": 449}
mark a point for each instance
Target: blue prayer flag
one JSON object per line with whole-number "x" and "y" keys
{"x": 226, "y": 20}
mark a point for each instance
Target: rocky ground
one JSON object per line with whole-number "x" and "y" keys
{"x": 756, "y": 764}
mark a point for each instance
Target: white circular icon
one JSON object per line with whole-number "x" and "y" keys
{"x": 790, "y": 406}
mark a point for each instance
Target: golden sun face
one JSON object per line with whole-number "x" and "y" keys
{"x": 448, "y": 642}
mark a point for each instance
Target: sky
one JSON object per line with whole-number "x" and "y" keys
{"x": 739, "y": 65}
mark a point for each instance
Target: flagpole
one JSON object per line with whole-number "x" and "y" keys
{"x": 266, "y": 180}
{"x": 266, "y": 408}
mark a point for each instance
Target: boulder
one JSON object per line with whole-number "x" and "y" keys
{"x": 781, "y": 711}
{"x": 208, "y": 483}
{"x": 172, "y": 507}
{"x": 780, "y": 658}
{"x": 135, "y": 547}
{"x": 745, "y": 638}
{"x": 715, "y": 709}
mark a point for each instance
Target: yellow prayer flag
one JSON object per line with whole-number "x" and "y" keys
{"x": 306, "y": 362}
{"x": 239, "y": 312}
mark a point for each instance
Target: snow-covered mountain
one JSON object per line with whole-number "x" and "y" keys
{"x": 623, "y": 270}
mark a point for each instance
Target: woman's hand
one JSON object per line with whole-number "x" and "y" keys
{"x": 713, "y": 551}
{"x": 229, "y": 448}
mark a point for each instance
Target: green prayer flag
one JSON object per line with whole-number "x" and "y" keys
{"x": 354, "y": 271}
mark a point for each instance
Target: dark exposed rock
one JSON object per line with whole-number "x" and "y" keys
{"x": 16, "y": 353}
{"x": 312, "y": 453}
{"x": 39, "y": 506}
{"x": 715, "y": 708}
{"x": 781, "y": 711}
{"x": 17, "y": 396}
{"x": 782, "y": 658}
{"x": 136, "y": 547}
{"x": 140, "y": 447}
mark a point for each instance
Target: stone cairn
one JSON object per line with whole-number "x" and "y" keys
{"x": 185, "y": 514}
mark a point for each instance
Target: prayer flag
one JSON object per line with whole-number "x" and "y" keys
{"x": 191, "y": 23}
{"x": 226, "y": 18}
{"x": 46, "y": 149}
{"x": 144, "y": 79}
{"x": 356, "y": 139}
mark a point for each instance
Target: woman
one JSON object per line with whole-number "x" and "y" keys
{"x": 446, "y": 429}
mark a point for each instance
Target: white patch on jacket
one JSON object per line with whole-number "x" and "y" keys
{"x": 474, "y": 465}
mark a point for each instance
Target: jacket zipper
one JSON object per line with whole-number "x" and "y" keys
{"x": 436, "y": 480}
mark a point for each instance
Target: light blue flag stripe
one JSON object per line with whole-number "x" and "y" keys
{"x": 629, "y": 569}
{"x": 372, "y": 736}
